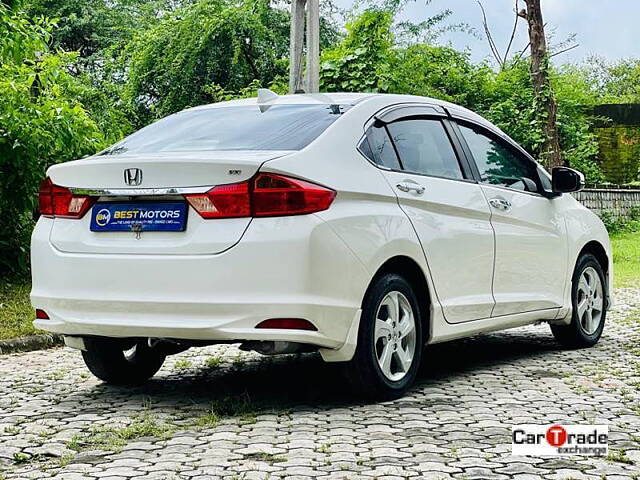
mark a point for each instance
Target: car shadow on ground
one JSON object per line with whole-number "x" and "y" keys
{"x": 299, "y": 382}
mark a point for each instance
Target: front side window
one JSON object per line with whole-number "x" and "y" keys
{"x": 425, "y": 148}
{"x": 377, "y": 147}
{"x": 499, "y": 164}
{"x": 246, "y": 127}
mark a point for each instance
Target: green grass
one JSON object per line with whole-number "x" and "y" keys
{"x": 626, "y": 259}
{"x": 16, "y": 313}
{"x": 209, "y": 419}
{"x": 265, "y": 457}
{"x": 619, "y": 456}
{"x": 183, "y": 364}
{"x": 213, "y": 362}
{"x": 113, "y": 439}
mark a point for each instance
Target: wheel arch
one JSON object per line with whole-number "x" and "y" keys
{"x": 597, "y": 250}
{"x": 408, "y": 268}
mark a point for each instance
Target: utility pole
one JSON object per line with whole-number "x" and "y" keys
{"x": 296, "y": 46}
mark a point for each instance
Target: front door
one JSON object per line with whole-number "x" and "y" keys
{"x": 531, "y": 249}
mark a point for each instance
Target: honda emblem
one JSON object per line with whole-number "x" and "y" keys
{"x": 133, "y": 176}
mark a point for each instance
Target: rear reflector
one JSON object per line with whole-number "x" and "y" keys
{"x": 288, "y": 324}
{"x": 57, "y": 201}
{"x": 266, "y": 195}
{"x": 41, "y": 314}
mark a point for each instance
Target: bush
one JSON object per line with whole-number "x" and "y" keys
{"x": 617, "y": 225}
{"x": 42, "y": 122}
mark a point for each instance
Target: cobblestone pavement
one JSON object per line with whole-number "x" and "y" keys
{"x": 218, "y": 412}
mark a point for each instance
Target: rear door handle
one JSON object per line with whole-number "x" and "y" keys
{"x": 500, "y": 204}
{"x": 411, "y": 186}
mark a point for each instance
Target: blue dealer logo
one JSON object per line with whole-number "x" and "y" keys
{"x": 103, "y": 217}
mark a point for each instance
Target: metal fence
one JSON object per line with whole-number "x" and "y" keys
{"x": 619, "y": 202}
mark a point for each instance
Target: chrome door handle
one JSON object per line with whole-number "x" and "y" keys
{"x": 500, "y": 204}
{"x": 409, "y": 186}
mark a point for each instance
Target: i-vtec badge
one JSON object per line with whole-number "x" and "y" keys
{"x": 133, "y": 176}
{"x": 543, "y": 440}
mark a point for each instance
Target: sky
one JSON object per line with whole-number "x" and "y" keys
{"x": 607, "y": 28}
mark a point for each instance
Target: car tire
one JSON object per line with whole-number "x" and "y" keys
{"x": 387, "y": 356}
{"x": 122, "y": 363}
{"x": 589, "y": 302}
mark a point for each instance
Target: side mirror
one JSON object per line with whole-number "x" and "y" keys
{"x": 565, "y": 180}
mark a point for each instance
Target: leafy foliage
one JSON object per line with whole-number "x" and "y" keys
{"x": 440, "y": 72}
{"x": 628, "y": 224}
{"x": 361, "y": 62}
{"x": 207, "y": 45}
{"x": 617, "y": 82}
{"x": 42, "y": 121}
{"x": 90, "y": 27}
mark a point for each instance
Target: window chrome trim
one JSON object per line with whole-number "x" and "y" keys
{"x": 138, "y": 192}
{"x": 401, "y": 112}
{"x": 437, "y": 111}
{"x": 512, "y": 190}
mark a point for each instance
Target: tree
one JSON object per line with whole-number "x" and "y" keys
{"x": 546, "y": 106}
{"x": 203, "y": 48}
{"x": 617, "y": 82}
{"x": 362, "y": 61}
{"x": 89, "y": 27}
{"x": 42, "y": 121}
{"x": 379, "y": 54}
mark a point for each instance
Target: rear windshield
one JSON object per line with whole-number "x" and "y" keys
{"x": 247, "y": 127}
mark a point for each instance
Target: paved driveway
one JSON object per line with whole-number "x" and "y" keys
{"x": 218, "y": 412}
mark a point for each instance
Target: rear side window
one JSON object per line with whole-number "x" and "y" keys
{"x": 246, "y": 127}
{"x": 498, "y": 163}
{"x": 377, "y": 147}
{"x": 425, "y": 148}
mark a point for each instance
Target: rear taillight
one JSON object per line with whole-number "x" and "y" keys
{"x": 266, "y": 195}
{"x": 275, "y": 195}
{"x": 57, "y": 201}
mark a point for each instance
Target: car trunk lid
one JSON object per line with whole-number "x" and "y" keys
{"x": 162, "y": 178}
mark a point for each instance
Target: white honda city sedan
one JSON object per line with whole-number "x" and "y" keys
{"x": 361, "y": 226}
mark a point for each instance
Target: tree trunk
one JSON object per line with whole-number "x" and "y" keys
{"x": 545, "y": 100}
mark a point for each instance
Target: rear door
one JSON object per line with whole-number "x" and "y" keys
{"x": 413, "y": 147}
{"x": 531, "y": 248}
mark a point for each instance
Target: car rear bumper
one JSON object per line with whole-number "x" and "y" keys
{"x": 291, "y": 267}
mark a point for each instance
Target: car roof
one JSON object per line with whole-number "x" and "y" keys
{"x": 344, "y": 98}
{"x": 340, "y": 98}
{"x": 297, "y": 99}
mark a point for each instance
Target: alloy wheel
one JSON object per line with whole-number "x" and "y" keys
{"x": 590, "y": 300}
{"x": 395, "y": 336}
